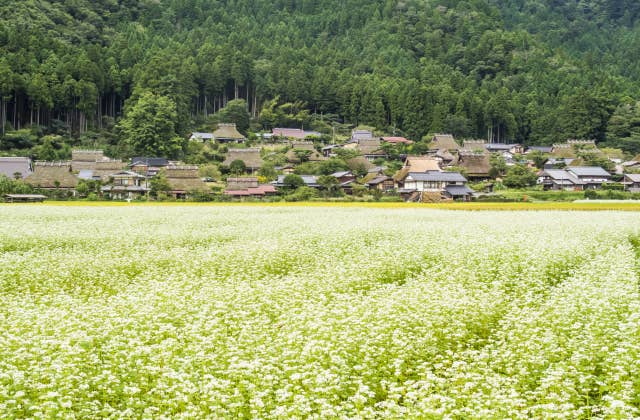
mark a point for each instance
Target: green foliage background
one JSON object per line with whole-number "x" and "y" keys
{"x": 525, "y": 71}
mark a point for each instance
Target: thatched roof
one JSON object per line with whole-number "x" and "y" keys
{"x": 185, "y": 178}
{"x": 370, "y": 146}
{"x": 87, "y": 155}
{"x": 242, "y": 183}
{"x": 303, "y": 145}
{"x": 250, "y": 157}
{"x": 359, "y": 161}
{"x": 47, "y": 174}
{"x": 227, "y": 131}
{"x": 443, "y": 141}
{"x": 474, "y": 145}
{"x": 416, "y": 164}
{"x": 475, "y": 164}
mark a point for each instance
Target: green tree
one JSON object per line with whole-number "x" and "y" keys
{"x": 237, "y": 167}
{"x": 519, "y": 176}
{"x": 292, "y": 182}
{"x": 159, "y": 184}
{"x": 148, "y": 127}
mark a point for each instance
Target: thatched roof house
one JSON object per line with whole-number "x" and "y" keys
{"x": 52, "y": 175}
{"x": 184, "y": 179}
{"x": 251, "y": 158}
{"x": 292, "y": 154}
{"x": 242, "y": 183}
{"x": 443, "y": 142}
{"x": 228, "y": 133}
{"x": 476, "y": 165}
{"x": 474, "y": 146}
{"x": 416, "y": 164}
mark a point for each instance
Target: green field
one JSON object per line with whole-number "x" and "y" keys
{"x": 377, "y": 311}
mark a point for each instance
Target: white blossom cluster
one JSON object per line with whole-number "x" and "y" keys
{"x": 293, "y": 312}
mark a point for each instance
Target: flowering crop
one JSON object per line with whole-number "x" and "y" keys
{"x": 255, "y": 312}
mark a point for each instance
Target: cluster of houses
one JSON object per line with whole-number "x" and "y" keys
{"x": 118, "y": 179}
{"x": 432, "y": 176}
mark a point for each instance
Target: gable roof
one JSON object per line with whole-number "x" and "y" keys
{"x": 149, "y": 161}
{"x": 396, "y": 140}
{"x": 201, "y": 136}
{"x": 47, "y": 174}
{"x": 251, "y": 157}
{"x": 475, "y": 164}
{"x": 458, "y": 190}
{"x": 437, "y": 176}
{"x": 12, "y": 165}
{"x": 378, "y": 180}
{"x": 443, "y": 141}
{"x": 633, "y": 177}
{"x": 185, "y": 178}
{"x": 561, "y": 176}
{"x": 227, "y": 131}
{"x": 588, "y": 171}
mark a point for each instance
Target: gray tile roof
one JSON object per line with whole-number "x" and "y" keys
{"x": 588, "y": 171}
{"x": 458, "y": 190}
{"x": 11, "y": 165}
{"x": 437, "y": 176}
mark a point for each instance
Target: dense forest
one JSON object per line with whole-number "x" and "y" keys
{"x": 528, "y": 71}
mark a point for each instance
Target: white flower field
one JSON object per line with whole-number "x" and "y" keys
{"x": 322, "y": 312}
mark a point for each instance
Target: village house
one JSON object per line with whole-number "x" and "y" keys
{"x": 228, "y": 133}
{"x": 358, "y": 135}
{"x": 344, "y": 176}
{"x": 592, "y": 177}
{"x": 415, "y": 164}
{"x": 126, "y": 185}
{"x": 559, "y": 179}
{"x": 251, "y": 158}
{"x": 476, "y": 165}
{"x": 15, "y": 167}
{"x": 631, "y": 183}
{"x": 293, "y": 134}
{"x": 443, "y": 142}
{"x": 396, "y": 140}
{"x": 303, "y": 150}
{"x": 201, "y": 137}
{"x": 184, "y": 180}
{"x": 248, "y": 187}
{"x": 381, "y": 183}
{"x": 53, "y": 176}
{"x": 148, "y": 166}
{"x": 448, "y": 184}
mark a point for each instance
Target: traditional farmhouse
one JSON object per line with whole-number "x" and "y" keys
{"x": 228, "y": 133}
{"x": 293, "y": 133}
{"x": 448, "y": 184}
{"x": 185, "y": 180}
{"x": 248, "y": 187}
{"x": 53, "y": 176}
{"x": 592, "y": 177}
{"x": 358, "y": 135}
{"x": 303, "y": 151}
{"x": 15, "y": 167}
{"x": 559, "y": 179}
{"x": 251, "y": 158}
{"x": 443, "y": 142}
{"x": 632, "y": 182}
{"x": 126, "y": 185}
{"x": 476, "y": 165}
{"x": 381, "y": 183}
{"x": 94, "y": 165}
{"x": 396, "y": 140}
{"x": 415, "y": 164}
{"x": 148, "y": 166}
{"x": 344, "y": 176}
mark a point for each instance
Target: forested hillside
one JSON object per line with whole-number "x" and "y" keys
{"x": 526, "y": 71}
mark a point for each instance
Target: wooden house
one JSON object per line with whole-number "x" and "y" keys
{"x": 228, "y": 133}
{"x": 53, "y": 176}
{"x": 446, "y": 184}
{"x": 300, "y": 148}
{"x": 476, "y": 165}
{"x": 201, "y": 137}
{"x": 126, "y": 185}
{"x": 632, "y": 182}
{"x": 242, "y": 183}
{"x": 251, "y": 158}
{"x": 381, "y": 183}
{"x": 148, "y": 166}
{"x": 396, "y": 140}
{"x": 415, "y": 164}
{"x": 443, "y": 142}
{"x": 559, "y": 179}
{"x": 184, "y": 180}
{"x": 592, "y": 177}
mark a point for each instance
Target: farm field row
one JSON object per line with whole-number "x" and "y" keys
{"x": 229, "y": 311}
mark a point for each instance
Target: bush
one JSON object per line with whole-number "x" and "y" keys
{"x": 590, "y": 194}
